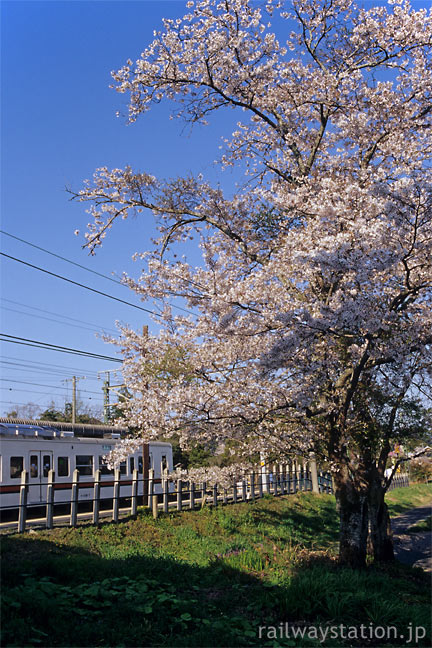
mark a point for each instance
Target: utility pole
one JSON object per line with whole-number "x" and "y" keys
{"x": 74, "y": 380}
{"x": 105, "y": 389}
{"x": 74, "y": 399}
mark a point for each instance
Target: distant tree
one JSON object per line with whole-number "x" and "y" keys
{"x": 25, "y": 411}
{"x": 53, "y": 414}
{"x": 116, "y": 411}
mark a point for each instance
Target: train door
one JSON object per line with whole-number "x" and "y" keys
{"x": 40, "y": 463}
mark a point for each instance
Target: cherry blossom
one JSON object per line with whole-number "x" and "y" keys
{"x": 310, "y": 317}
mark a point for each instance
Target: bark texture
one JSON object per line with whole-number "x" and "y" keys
{"x": 381, "y": 537}
{"x": 353, "y": 512}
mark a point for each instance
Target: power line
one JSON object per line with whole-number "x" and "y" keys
{"x": 38, "y": 247}
{"x": 25, "y": 382}
{"x": 42, "y": 370}
{"x": 55, "y": 347}
{"x": 50, "y": 364}
{"x": 50, "y": 319}
{"x": 15, "y": 403}
{"x": 76, "y": 283}
{"x": 43, "y": 310}
{"x": 31, "y": 391}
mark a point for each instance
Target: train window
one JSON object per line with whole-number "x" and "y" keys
{"x": 140, "y": 464}
{"x": 123, "y": 468}
{"x": 34, "y": 468}
{"x": 84, "y": 464}
{"x": 46, "y": 463}
{"x": 16, "y": 467}
{"x": 150, "y": 460}
{"x": 164, "y": 463}
{"x": 103, "y": 467}
{"x": 131, "y": 464}
{"x": 63, "y": 466}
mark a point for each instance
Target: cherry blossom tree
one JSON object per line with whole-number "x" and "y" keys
{"x": 310, "y": 315}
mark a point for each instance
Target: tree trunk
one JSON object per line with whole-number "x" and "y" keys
{"x": 353, "y": 511}
{"x": 380, "y": 527}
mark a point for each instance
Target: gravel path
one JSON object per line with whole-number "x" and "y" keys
{"x": 413, "y": 548}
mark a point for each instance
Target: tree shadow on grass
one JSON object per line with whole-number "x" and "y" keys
{"x": 307, "y": 526}
{"x": 60, "y": 595}
{"x": 311, "y": 530}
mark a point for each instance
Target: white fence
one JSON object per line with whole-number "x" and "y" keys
{"x": 160, "y": 495}
{"x": 179, "y": 495}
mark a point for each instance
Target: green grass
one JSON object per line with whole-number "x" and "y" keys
{"x": 202, "y": 578}
{"x": 422, "y": 526}
{"x": 401, "y": 500}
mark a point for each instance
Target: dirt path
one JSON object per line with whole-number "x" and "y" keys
{"x": 413, "y": 548}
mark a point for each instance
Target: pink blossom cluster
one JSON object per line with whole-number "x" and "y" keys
{"x": 316, "y": 275}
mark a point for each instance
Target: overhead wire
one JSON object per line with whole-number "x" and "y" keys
{"x": 55, "y": 347}
{"x": 31, "y": 391}
{"x": 50, "y": 319}
{"x": 25, "y": 382}
{"x": 42, "y": 370}
{"x": 59, "y": 256}
{"x": 50, "y": 364}
{"x": 43, "y": 310}
{"x": 77, "y": 283}
{"x": 100, "y": 274}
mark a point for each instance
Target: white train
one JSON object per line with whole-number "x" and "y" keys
{"x": 39, "y": 449}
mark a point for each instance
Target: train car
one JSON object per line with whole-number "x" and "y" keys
{"x": 39, "y": 449}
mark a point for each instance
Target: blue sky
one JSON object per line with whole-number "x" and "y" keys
{"x": 58, "y": 125}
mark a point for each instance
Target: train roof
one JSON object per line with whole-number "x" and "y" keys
{"x": 77, "y": 429}
{"x": 35, "y": 431}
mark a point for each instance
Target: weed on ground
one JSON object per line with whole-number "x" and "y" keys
{"x": 240, "y": 575}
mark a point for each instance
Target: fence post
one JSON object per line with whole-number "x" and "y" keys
{"x": 22, "y": 515}
{"x": 74, "y": 499}
{"x": 50, "y": 500}
{"x": 165, "y": 494}
{"x": 96, "y": 497}
{"x": 264, "y": 478}
{"x": 260, "y": 485}
{"x": 116, "y": 493}
{"x": 155, "y": 506}
{"x": 252, "y": 485}
{"x": 298, "y": 480}
{"x": 179, "y": 494}
{"x": 244, "y": 490}
{"x": 203, "y": 493}
{"x": 281, "y": 479}
{"x": 267, "y": 481}
{"x": 303, "y": 474}
{"x": 134, "y": 497}
{"x": 235, "y": 492}
{"x": 215, "y": 495}
{"x": 314, "y": 475}
{"x": 150, "y": 486}
{"x": 291, "y": 477}
{"x": 191, "y": 495}
{"x": 275, "y": 479}
{"x": 225, "y": 496}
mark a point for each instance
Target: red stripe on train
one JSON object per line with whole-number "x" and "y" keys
{"x": 68, "y": 485}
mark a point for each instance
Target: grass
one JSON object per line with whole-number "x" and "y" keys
{"x": 422, "y": 526}
{"x": 401, "y": 500}
{"x": 203, "y": 578}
